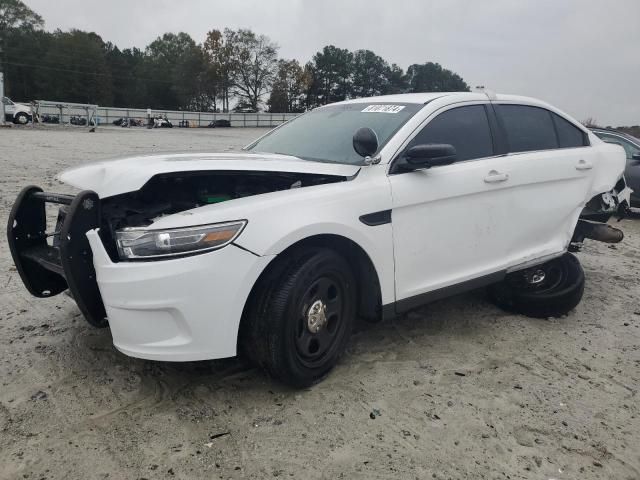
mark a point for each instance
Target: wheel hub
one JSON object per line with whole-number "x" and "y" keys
{"x": 536, "y": 277}
{"x": 316, "y": 316}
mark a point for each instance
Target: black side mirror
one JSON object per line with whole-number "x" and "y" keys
{"x": 365, "y": 142}
{"x": 636, "y": 156}
{"x": 425, "y": 156}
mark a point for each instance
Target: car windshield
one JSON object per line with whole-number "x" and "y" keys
{"x": 326, "y": 134}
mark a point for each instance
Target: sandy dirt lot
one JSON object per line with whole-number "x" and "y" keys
{"x": 458, "y": 389}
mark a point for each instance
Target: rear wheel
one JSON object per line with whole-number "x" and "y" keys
{"x": 301, "y": 317}
{"x": 548, "y": 290}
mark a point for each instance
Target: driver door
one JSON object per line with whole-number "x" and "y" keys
{"x": 450, "y": 223}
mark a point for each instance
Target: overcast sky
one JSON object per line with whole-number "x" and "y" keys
{"x": 583, "y": 56}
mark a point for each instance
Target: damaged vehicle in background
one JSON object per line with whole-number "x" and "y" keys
{"x": 365, "y": 208}
{"x": 631, "y": 146}
{"x": 18, "y": 113}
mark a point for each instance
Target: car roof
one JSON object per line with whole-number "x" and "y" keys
{"x": 455, "y": 97}
{"x": 426, "y": 97}
{"x": 416, "y": 98}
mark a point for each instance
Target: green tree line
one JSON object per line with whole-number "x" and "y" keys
{"x": 230, "y": 68}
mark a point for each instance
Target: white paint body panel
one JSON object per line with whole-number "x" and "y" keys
{"x": 448, "y": 226}
{"x": 113, "y": 177}
{"x": 180, "y": 310}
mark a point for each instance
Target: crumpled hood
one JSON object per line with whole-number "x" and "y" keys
{"x": 114, "y": 177}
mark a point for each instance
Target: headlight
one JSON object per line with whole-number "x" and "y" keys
{"x": 142, "y": 243}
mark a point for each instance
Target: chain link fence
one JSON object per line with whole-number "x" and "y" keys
{"x": 67, "y": 114}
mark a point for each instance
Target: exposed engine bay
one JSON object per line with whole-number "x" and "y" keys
{"x": 167, "y": 194}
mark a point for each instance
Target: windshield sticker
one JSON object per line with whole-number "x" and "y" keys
{"x": 383, "y": 108}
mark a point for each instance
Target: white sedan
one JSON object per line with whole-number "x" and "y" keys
{"x": 368, "y": 208}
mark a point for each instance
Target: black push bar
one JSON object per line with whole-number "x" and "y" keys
{"x": 48, "y": 270}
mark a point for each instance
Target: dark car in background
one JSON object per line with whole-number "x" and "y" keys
{"x": 631, "y": 147}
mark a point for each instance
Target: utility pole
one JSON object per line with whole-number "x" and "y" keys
{"x": 2, "y": 118}
{"x": 2, "y": 111}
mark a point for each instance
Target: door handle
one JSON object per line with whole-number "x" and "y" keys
{"x": 494, "y": 177}
{"x": 583, "y": 165}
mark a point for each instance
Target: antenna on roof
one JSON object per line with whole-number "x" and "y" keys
{"x": 491, "y": 95}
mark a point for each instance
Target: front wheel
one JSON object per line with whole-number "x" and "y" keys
{"x": 301, "y": 317}
{"x": 21, "y": 118}
{"x": 552, "y": 289}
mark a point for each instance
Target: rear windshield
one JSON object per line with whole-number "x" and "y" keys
{"x": 325, "y": 134}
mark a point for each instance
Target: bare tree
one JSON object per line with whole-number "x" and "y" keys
{"x": 590, "y": 122}
{"x": 255, "y": 63}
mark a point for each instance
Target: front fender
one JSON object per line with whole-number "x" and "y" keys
{"x": 271, "y": 231}
{"x": 279, "y": 219}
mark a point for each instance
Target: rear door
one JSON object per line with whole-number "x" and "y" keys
{"x": 550, "y": 164}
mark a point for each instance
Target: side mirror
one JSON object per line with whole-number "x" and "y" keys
{"x": 365, "y": 142}
{"x": 636, "y": 156}
{"x": 428, "y": 155}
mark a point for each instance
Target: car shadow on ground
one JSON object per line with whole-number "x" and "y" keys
{"x": 463, "y": 317}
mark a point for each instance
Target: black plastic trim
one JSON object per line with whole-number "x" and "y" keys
{"x": 61, "y": 198}
{"x": 76, "y": 256}
{"x": 49, "y": 270}
{"x": 376, "y": 218}
{"x": 391, "y": 310}
{"x": 26, "y": 235}
{"x": 498, "y": 134}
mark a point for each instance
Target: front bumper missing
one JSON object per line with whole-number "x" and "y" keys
{"x": 48, "y": 270}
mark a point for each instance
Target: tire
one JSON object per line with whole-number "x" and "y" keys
{"x": 21, "y": 119}
{"x": 552, "y": 289}
{"x": 283, "y": 334}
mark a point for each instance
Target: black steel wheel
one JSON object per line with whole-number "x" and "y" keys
{"x": 548, "y": 290}
{"x": 298, "y": 322}
{"x": 320, "y": 323}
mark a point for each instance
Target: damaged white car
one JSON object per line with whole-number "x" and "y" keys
{"x": 365, "y": 208}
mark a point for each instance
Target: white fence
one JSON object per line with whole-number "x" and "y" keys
{"x": 106, "y": 116}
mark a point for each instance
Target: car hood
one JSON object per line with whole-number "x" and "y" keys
{"x": 114, "y": 177}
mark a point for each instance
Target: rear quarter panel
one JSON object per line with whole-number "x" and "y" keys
{"x": 608, "y": 166}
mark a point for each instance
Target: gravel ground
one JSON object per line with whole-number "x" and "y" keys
{"x": 457, "y": 389}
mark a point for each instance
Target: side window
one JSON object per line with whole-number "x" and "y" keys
{"x": 569, "y": 135}
{"x": 528, "y": 128}
{"x": 466, "y": 128}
